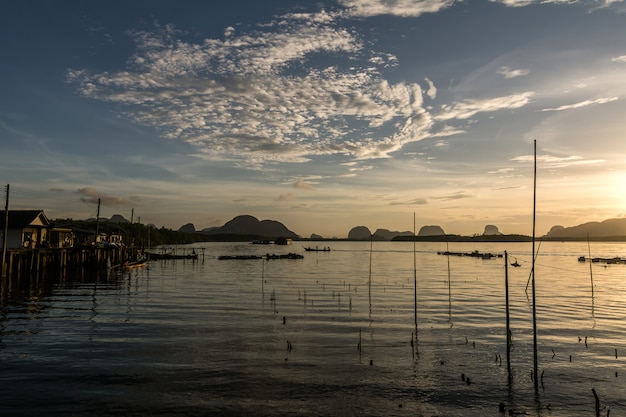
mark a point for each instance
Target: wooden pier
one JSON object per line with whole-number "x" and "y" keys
{"x": 42, "y": 262}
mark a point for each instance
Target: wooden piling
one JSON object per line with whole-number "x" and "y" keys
{"x": 508, "y": 322}
{"x": 41, "y": 262}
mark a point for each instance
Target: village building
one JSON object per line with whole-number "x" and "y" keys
{"x": 25, "y": 228}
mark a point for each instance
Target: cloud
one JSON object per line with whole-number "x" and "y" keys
{"x": 92, "y": 196}
{"x": 581, "y": 104}
{"x": 414, "y": 202}
{"x": 621, "y": 58}
{"x": 432, "y": 90}
{"x": 514, "y": 3}
{"x": 416, "y": 8}
{"x": 523, "y": 3}
{"x": 260, "y": 97}
{"x": 468, "y": 108}
{"x": 454, "y": 196}
{"x": 446, "y": 131}
{"x": 501, "y": 171}
{"x": 550, "y": 161}
{"x": 303, "y": 185}
{"x": 511, "y": 73}
{"x": 403, "y": 8}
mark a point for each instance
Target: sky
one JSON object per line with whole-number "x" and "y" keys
{"x": 322, "y": 115}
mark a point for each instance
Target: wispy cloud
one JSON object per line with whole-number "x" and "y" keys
{"x": 468, "y": 108}
{"x": 453, "y": 196}
{"x": 404, "y": 8}
{"x": 550, "y": 161}
{"x": 580, "y": 104}
{"x": 432, "y": 90}
{"x": 512, "y": 73}
{"x": 413, "y": 202}
{"x": 501, "y": 171}
{"x": 621, "y": 58}
{"x": 416, "y": 8}
{"x": 523, "y": 3}
{"x": 92, "y": 196}
{"x": 303, "y": 185}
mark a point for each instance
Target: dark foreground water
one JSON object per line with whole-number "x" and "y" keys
{"x": 312, "y": 337}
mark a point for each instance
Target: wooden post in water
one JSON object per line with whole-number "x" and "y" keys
{"x": 535, "y": 361}
{"x": 4, "y": 234}
{"x": 369, "y": 282}
{"x": 508, "y": 323}
{"x": 590, "y": 267}
{"x": 414, "y": 278}
{"x": 449, "y": 286}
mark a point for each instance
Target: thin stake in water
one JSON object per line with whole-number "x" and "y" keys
{"x": 535, "y": 361}
{"x": 414, "y": 280}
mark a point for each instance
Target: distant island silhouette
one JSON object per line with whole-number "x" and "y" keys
{"x": 248, "y": 228}
{"x": 244, "y": 227}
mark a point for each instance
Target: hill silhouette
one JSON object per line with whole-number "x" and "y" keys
{"x": 604, "y": 229}
{"x": 251, "y": 226}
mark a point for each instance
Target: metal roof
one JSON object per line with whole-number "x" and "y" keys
{"x": 19, "y": 219}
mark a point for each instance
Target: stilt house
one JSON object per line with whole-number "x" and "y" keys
{"x": 26, "y": 228}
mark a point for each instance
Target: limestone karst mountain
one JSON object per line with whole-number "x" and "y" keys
{"x": 431, "y": 231}
{"x": 606, "y": 228}
{"x": 385, "y": 234}
{"x": 250, "y": 225}
{"x": 360, "y": 233}
{"x": 187, "y": 228}
{"x": 491, "y": 230}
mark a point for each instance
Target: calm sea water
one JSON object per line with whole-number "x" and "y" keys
{"x": 328, "y": 335}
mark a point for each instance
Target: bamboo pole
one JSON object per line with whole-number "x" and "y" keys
{"x": 369, "y": 283}
{"x": 508, "y": 322}
{"x": 4, "y": 235}
{"x": 535, "y": 361}
{"x": 414, "y": 280}
{"x": 449, "y": 286}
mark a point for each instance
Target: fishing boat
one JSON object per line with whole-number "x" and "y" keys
{"x": 159, "y": 256}
{"x": 316, "y": 249}
{"x": 473, "y": 254}
{"x": 614, "y": 260}
{"x": 284, "y": 256}
{"x": 140, "y": 263}
{"x": 239, "y": 257}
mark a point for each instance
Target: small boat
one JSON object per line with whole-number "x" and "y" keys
{"x": 473, "y": 254}
{"x": 155, "y": 256}
{"x": 285, "y": 256}
{"x": 316, "y": 249}
{"x": 240, "y": 257}
{"x": 140, "y": 263}
{"x": 614, "y": 260}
